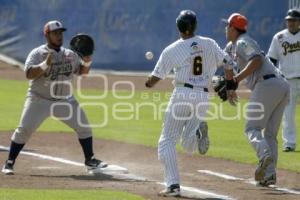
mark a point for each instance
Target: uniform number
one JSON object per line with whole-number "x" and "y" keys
{"x": 197, "y": 66}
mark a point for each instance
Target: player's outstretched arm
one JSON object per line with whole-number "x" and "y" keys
{"x": 252, "y": 65}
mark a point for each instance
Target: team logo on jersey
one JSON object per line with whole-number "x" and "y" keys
{"x": 280, "y": 38}
{"x": 247, "y": 48}
{"x": 59, "y": 69}
{"x": 194, "y": 46}
{"x": 290, "y": 47}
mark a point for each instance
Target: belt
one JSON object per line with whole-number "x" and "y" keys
{"x": 268, "y": 76}
{"x": 191, "y": 86}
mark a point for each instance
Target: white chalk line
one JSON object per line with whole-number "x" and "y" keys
{"x": 227, "y": 177}
{"x": 202, "y": 192}
{"x": 249, "y": 181}
{"x": 110, "y": 168}
{"x": 123, "y": 176}
{"x": 47, "y": 167}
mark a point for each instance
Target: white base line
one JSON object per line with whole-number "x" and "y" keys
{"x": 249, "y": 181}
{"x": 46, "y": 157}
{"x": 227, "y": 177}
{"x": 11, "y": 61}
{"x": 62, "y": 160}
{"x": 201, "y": 192}
{"x": 130, "y": 176}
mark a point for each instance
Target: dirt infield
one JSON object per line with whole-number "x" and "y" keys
{"x": 141, "y": 161}
{"x": 32, "y": 172}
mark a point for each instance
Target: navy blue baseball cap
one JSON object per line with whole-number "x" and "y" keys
{"x": 293, "y": 14}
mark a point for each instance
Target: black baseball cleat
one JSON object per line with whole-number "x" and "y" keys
{"x": 288, "y": 149}
{"x": 171, "y": 191}
{"x": 94, "y": 163}
{"x": 262, "y": 166}
{"x": 202, "y": 138}
{"x": 8, "y": 168}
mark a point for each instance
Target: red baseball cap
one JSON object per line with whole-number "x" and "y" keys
{"x": 52, "y": 26}
{"x": 238, "y": 21}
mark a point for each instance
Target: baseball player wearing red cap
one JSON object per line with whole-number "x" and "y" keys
{"x": 285, "y": 51}
{"x": 269, "y": 95}
{"x": 50, "y": 69}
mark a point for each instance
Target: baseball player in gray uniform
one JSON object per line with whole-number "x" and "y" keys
{"x": 194, "y": 60}
{"x": 50, "y": 69}
{"x": 284, "y": 51}
{"x": 270, "y": 94}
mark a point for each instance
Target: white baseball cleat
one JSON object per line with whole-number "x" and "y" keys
{"x": 202, "y": 138}
{"x": 8, "y": 167}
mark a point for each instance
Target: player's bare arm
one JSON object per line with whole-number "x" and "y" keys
{"x": 37, "y": 71}
{"x": 252, "y": 65}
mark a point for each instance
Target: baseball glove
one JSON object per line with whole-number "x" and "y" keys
{"x": 219, "y": 85}
{"x": 231, "y": 85}
{"x": 82, "y": 44}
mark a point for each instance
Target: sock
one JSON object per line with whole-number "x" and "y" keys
{"x": 87, "y": 147}
{"x": 14, "y": 150}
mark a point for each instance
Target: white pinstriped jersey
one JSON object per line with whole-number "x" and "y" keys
{"x": 285, "y": 48}
{"x": 193, "y": 60}
{"x": 64, "y": 64}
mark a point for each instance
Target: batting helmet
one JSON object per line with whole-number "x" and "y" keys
{"x": 186, "y": 21}
{"x": 293, "y": 14}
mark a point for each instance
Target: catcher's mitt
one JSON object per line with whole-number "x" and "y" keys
{"x": 219, "y": 85}
{"x": 82, "y": 44}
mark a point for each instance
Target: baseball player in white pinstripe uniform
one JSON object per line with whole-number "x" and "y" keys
{"x": 285, "y": 51}
{"x": 194, "y": 60}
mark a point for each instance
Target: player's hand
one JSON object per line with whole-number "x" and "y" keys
{"x": 232, "y": 97}
{"x": 86, "y": 61}
{"x": 87, "y": 58}
{"x": 48, "y": 61}
{"x": 151, "y": 81}
{"x": 49, "y": 57}
{"x": 148, "y": 83}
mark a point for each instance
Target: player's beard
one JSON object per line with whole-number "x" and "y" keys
{"x": 55, "y": 44}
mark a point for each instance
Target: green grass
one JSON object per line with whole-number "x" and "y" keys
{"x": 29, "y": 194}
{"x": 227, "y": 138}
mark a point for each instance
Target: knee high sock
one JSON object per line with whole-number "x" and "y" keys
{"x": 87, "y": 147}
{"x": 14, "y": 150}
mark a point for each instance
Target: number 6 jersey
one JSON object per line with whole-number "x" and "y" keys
{"x": 194, "y": 60}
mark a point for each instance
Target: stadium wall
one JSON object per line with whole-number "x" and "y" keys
{"x": 125, "y": 29}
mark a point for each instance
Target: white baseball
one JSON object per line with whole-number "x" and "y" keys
{"x": 149, "y": 55}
